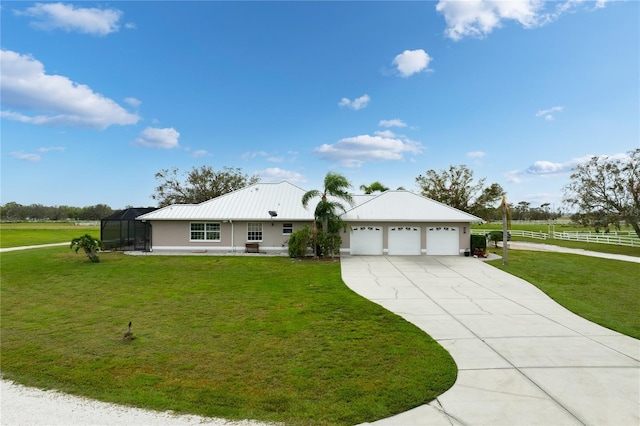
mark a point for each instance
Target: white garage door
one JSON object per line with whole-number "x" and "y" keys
{"x": 443, "y": 240}
{"x": 366, "y": 240}
{"x": 404, "y": 240}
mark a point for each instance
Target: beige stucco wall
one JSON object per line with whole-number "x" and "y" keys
{"x": 174, "y": 235}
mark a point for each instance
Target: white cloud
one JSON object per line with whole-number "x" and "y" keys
{"x": 478, "y": 18}
{"x": 544, "y": 167}
{"x": 355, "y": 104}
{"x": 514, "y": 176}
{"x": 52, "y": 148}
{"x": 51, "y": 16}
{"x": 276, "y": 174}
{"x": 410, "y": 62}
{"x": 253, "y": 154}
{"x": 200, "y": 153}
{"x": 385, "y": 133}
{"x": 396, "y": 122}
{"x": 32, "y": 158}
{"x": 56, "y": 100}
{"x": 133, "y": 102}
{"x": 548, "y": 114}
{"x": 166, "y": 138}
{"x": 354, "y": 151}
{"x": 476, "y": 154}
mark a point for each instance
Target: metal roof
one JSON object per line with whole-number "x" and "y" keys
{"x": 285, "y": 199}
{"x": 394, "y": 206}
{"x": 251, "y": 203}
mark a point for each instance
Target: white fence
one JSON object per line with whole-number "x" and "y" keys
{"x": 624, "y": 238}
{"x": 610, "y": 238}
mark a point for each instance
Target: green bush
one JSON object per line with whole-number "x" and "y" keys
{"x": 495, "y": 236}
{"x": 299, "y": 242}
{"x": 478, "y": 241}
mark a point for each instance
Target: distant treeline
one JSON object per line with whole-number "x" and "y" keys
{"x": 37, "y": 212}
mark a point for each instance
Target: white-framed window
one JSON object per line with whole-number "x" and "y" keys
{"x": 204, "y": 231}
{"x": 287, "y": 228}
{"x": 254, "y": 231}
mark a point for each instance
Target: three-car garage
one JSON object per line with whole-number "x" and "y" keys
{"x": 404, "y": 240}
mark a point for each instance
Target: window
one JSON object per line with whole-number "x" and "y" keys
{"x": 254, "y": 231}
{"x": 287, "y": 228}
{"x": 205, "y": 231}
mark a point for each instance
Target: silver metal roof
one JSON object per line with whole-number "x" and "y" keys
{"x": 251, "y": 203}
{"x": 285, "y": 199}
{"x": 394, "y": 206}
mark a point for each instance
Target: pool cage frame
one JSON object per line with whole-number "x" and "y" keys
{"x": 121, "y": 230}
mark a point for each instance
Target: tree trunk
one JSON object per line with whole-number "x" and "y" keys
{"x": 505, "y": 235}
{"x": 636, "y": 226}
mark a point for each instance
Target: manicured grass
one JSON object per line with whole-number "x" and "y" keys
{"x": 271, "y": 339}
{"x": 27, "y": 234}
{"x": 603, "y": 291}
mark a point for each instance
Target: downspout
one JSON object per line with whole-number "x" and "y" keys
{"x": 233, "y": 247}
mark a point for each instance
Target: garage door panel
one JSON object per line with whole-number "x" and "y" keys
{"x": 443, "y": 240}
{"x": 366, "y": 240}
{"x": 404, "y": 240}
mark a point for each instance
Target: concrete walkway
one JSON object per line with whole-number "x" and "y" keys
{"x": 2, "y": 250}
{"x": 521, "y": 245}
{"x": 522, "y": 358}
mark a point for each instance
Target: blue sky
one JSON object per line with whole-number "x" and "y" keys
{"x": 98, "y": 97}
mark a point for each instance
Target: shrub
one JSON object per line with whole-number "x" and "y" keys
{"x": 496, "y": 236}
{"x": 299, "y": 242}
{"x": 478, "y": 241}
{"x": 90, "y": 246}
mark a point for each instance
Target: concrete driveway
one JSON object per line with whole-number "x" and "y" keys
{"x": 522, "y": 358}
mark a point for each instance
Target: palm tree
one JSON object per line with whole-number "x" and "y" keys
{"x": 90, "y": 246}
{"x": 374, "y": 187}
{"x": 335, "y": 186}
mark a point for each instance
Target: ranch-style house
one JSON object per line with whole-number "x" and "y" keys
{"x": 261, "y": 217}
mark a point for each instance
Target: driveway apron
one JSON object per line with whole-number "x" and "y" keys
{"x": 522, "y": 358}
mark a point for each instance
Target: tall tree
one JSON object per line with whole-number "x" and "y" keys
{"x": 201, "y": 184}
{"x": 456, "y": 188}
{"x": 374, "y": 187}
{"x": 607, "y": 190}
{"x": 335, "y": 186}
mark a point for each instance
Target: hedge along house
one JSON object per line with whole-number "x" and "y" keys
{"x": 261, "y": 217}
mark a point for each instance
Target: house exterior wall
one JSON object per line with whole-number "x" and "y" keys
{"x": 175, "y": 235}
{"x": 464, "y": 233}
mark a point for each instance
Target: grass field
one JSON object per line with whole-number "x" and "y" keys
{"x": 603, "y": 291}
{"x": 264, "y": 338}
{"x": 237, "y": 337}
{"x": 32, "y": 233}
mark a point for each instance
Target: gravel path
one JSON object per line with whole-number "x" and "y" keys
{"x": 20, "y": 405}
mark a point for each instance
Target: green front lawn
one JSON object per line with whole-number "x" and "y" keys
{"x": 603, "y": 291}
{"x": 271, "y": 339}
{"x": 35, "y": 233}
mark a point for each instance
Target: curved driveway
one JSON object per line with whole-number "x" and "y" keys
{"x": 522, "y": 358}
